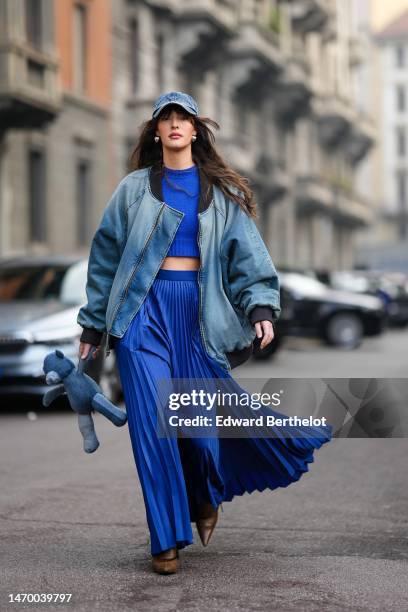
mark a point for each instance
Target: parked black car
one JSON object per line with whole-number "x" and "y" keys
{"x": 390, "y": 287}
{"x": 39, "y": 301}
{"x": 340, "y": 318}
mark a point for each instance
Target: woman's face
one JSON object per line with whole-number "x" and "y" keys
{"x": 175, "y": 121}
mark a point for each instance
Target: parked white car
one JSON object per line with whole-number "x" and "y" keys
{"x": 39, "y": 301}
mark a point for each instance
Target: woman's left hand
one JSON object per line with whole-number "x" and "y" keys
{"x": 268, "y": 334}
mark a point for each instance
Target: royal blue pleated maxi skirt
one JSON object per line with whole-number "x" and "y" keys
{"x": 177, "y": 474}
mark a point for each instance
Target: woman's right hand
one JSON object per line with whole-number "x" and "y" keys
{"x": 85, "y": 347}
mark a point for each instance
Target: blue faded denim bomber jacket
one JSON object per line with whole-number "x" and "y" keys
{"x": 237, "y": 280}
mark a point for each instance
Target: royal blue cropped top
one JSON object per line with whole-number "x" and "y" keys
{"x": 182, "y": 192}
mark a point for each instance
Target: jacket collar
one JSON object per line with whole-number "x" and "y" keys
{"x": 205, "y": 186}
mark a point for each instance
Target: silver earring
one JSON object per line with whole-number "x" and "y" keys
{"x": 194, "y": 138}
{"x": 156, "y": 139}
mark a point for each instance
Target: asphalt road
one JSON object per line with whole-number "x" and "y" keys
{"x": 379, "y": 356}
{"x": 74, "y": 523}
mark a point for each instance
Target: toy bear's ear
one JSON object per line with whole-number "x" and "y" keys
{"x": 59, "y": 353}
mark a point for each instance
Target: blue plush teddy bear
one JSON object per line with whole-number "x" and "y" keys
{"x": 84, "y": 394}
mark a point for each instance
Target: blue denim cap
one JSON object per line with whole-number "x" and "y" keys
{"x": 175, "y": 97}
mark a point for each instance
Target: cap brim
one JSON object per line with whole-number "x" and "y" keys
{"x": 186, "y": 108}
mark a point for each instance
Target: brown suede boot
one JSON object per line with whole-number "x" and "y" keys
{"x": 206, "y": 522}
{"x": 166, "y": 562}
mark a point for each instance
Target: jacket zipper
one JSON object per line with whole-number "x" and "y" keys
{"x": 200, "y": 289}
{"x": 107, "y": 352}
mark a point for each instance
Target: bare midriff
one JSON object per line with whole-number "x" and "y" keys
{"x": 181, "y": 263}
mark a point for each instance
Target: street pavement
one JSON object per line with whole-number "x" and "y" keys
{"x": 335, "y": 540}
{"x": 384, "y": 356}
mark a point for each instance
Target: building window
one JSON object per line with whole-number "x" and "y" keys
{"x": 134, "y": 54}
{"x": 160, "y": 60}
{"x": 37, "y": 195}
{"x": 401, "y": 98}
{"x": 33, "y": 14}
{"x": 402, "y": 203}
{"x": 401, "y": 142}
{"x": 400, "y": 56}
{"x": 84, "y": 201}
{"x": 80, "y": 47}
{"x": 401, "y": 188}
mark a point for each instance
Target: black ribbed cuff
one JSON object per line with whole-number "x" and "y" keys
{"x": 261, "y": 313}
{"x": 91, "y": 336}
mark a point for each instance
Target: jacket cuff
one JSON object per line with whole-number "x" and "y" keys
{"x": 262, "y": 313}
{"x": 91, "y": 336}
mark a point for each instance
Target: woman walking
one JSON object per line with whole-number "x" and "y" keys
{"x": 182, "y": 283}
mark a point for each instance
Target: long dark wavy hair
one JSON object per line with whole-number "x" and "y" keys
{"x": 147, "y": 152}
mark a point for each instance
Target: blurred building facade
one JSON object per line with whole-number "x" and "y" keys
{"x": 386, "y": 245}
{"x": 282, "y": 78}
{"x": 55, "y": 145}
{"x": 393, "y": 46}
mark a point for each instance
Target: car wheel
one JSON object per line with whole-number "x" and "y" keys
{"x": 110, "y": 380}
{"x": 345, "y": 330}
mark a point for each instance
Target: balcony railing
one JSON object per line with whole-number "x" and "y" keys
{"x": 223, "y": 14}
{"x": 29, "y": 91}
{"x": 335, "y": 117}
{"x": 313, "y": 194}
{"x": 334, "y": 196}
{"x": 361, "y": 137}
{"x": 270, "y": 177}
{"x": 352, "y": 208}
{"x": 255, "y": 39}
{"x": 293, "y": 90}
{"x": 313, "y": 16}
